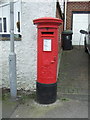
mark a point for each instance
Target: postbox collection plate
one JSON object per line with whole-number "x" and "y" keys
{"x": 47, "y": 44}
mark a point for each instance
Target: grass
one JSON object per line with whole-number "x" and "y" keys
{"x": 64, "y": 99}
{"x": 22, "y": 97}
{"x": 5, "y": 96}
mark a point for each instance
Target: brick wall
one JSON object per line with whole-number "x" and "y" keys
{"x": 75, "y": 6}
{"x": 59, "y": 15}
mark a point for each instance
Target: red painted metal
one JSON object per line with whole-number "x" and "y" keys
{"x": 47, "y": 59}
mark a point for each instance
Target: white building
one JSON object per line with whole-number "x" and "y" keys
{"x": 26, "y": 49}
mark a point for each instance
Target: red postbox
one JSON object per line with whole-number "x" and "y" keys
{"x": 47, "y": 59}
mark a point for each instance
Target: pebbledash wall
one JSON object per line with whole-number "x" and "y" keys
{"x": 26, "y": 49}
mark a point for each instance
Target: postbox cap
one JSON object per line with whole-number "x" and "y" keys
{"x": 47, "y": 20}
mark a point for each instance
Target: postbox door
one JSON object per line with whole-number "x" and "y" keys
{"x": 47, "y": 56}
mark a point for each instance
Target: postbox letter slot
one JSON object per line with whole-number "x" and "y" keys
{"x": 44, "y": 33}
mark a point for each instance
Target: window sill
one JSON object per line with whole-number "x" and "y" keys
{"x": 6, "y": 37}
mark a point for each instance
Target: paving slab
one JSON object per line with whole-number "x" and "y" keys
{"x": 60, "y": 109}
{"x": 8, "y": 105}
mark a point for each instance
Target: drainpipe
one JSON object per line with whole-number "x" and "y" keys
{"x": 65, "y": 17}
{"x": 12, "y": 55}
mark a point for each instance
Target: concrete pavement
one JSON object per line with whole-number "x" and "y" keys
{"x": 72, "y": 90}
{"x": 60, "y": 109}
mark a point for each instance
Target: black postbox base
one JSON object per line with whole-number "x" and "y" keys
{"x": 46, "y": 93}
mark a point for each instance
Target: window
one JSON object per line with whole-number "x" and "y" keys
{"x": 3, "y": 25}
{"x": 0, "y": 24}
{"x": 18, "y": 21}
{"x": 19, "y": 16}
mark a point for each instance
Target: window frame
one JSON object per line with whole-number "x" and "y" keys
{"x": 1, "y": 24}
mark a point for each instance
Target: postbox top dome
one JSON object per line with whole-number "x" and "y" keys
{"x": 47, "y": 20}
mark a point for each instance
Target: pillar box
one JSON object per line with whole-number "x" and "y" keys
{"x": 47, "y": 59}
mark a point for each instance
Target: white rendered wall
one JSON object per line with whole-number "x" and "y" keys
{"x": 26, "y": 49}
